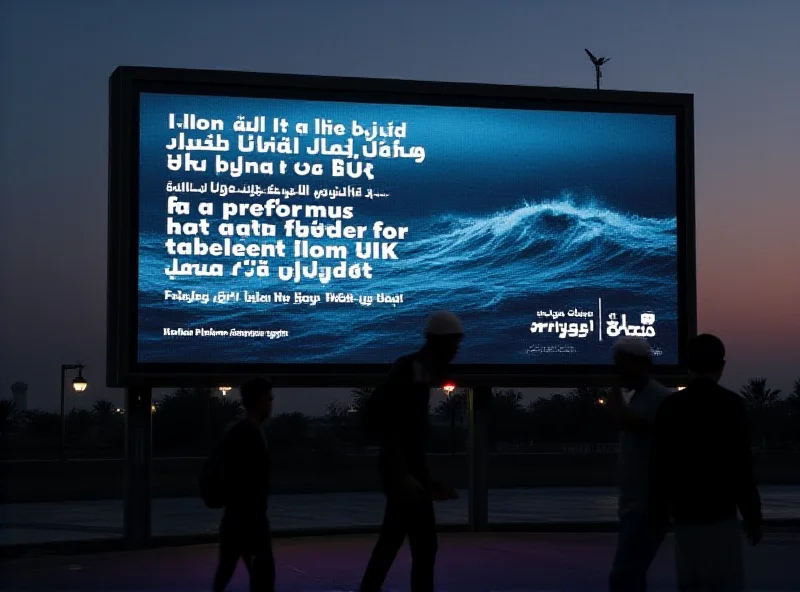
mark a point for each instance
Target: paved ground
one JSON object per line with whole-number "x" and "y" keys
{"x": 467, "y": 563}
{"x": 68, "y": 521}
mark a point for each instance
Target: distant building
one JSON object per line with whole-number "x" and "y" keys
{"x": 19, "y": 394}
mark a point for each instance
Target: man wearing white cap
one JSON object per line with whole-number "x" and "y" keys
{"x": 638, "y": 543}
{"x": 405, "y": 477}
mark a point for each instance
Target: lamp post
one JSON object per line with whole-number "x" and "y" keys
{"x": 448, "y": 390}
{"x": 224, "y": 390}
{"x": 79, "y": 385}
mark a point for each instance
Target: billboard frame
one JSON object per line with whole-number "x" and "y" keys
{"x": 127, "y": 83}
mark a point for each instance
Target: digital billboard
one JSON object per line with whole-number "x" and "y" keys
{"x": 306, "y": 226}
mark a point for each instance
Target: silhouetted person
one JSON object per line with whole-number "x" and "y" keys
{"x": 637, "y": 543}
{"x": 405, "y": 477}
{"x": 244, "y": 462}
{"x": 701, "y": 471}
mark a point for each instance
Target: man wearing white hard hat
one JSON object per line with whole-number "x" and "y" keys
{"x": 406, "y": 480}
{"x": 637, "y": 543}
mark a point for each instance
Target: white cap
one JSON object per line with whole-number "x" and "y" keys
{"x": 444, "y": 322}
{"x": 632, "y": 346}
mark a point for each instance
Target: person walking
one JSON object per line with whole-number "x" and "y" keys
{"x": 405, "y": 477}
{"x": 243, "y": 469}
{"x": 637, "y": 542}
{"x": 701, "y": 473}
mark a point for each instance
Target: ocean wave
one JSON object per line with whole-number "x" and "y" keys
{"x": 495, "y": 270}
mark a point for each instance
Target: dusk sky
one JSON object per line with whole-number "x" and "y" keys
{"x": 738, "y": 57}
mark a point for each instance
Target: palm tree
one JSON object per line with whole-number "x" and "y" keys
{"x": 793, "y": 400}
{"x": 336, "y": 415}
{"x": 793, "y": 406}
{"x": 335, "y": 411}
{"x": 507, "y": 400}
{"x": 760, "y": 400}
{"x": 451, "y": 404}
{"x": 506, "y": 418}
{"x": 360, "y": 397}
{"x": 757, "y": 396}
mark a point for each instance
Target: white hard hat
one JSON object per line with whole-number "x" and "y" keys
{"x": 444, "y": 322}
{"x": 632, "y": 346}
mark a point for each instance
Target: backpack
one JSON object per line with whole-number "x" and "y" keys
{"x": 212, "y": 481}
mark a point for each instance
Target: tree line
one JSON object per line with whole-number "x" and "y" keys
{"x": 188, "y": 422}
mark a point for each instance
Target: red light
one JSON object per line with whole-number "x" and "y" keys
{"x": 448, "y": 388}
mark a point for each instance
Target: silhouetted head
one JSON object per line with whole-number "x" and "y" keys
{"x": 257, "y": 397}
{"x": 443, "y": 335}
{"x": 706, "y": 357}
{"x": 633, "y": 361}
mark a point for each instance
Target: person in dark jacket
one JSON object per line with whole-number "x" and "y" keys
{"x": 244, "y": 532}
{"x": 405, "y": 477}
{"x": 701, "y": 473}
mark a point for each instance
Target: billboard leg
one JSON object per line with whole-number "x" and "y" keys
{"x": 138, "y": 429}
{"x": 478, "y": 404}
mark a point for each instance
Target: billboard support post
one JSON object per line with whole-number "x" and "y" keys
{"x": 138, "y": 456}
{"x": 479, "y": 403}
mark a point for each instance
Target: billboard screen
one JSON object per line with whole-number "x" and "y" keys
{"x": 306, "y": 226}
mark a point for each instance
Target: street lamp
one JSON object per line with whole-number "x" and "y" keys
{"x": 79, "y": 385}
{"x": 448, "y": 389}
{"x": 224, "y": 390}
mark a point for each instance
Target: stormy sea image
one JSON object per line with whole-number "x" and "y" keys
{"x": 495, "y": 270}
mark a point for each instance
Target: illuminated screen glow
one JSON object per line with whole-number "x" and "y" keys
{"x": 325, "y": 232}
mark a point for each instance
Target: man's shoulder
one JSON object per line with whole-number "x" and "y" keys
{"x": 659, "y": 390}
{"x": 235, "y": 428}
{"x": 656, "y": 393}
{"x": 710, "y": 387}
{"x": 405, "y": 360}
{"x": 403, "y": 369}
{"x": 242, "y": 430}
{"x": 731, "y": 398}
{"x": 673, "y": 403}
{"x": 400, "y": 368}
{"x": 725, "y": 392}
